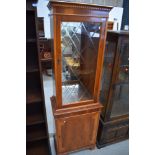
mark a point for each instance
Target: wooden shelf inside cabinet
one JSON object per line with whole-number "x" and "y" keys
{"x": 45, "y": 60}
{"x": 30, "y": 9}
{"x": 31, "y": 40}
{"x": 31, "y": 69}
{"x": 35, "y": 119}
{"x": 33, "y": 96}
{"x": 38, "y": 148}
{"x": 36, "y": 132}
{"x": 34, "y": 114}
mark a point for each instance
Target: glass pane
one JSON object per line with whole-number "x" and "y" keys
{"x": 79, "y": 44}
{"x": 107, "y": 69}
{"x": 120, "y": 100}
{"x": 123, "y": 75}
{"x": 120, "y": 97}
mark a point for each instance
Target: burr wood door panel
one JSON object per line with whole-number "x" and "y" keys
{"x": 77, "y": 131}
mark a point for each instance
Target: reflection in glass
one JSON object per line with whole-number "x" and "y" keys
{"x": 124, "y": 64}
{"x": 120, "y": 98}
{"x": 79, "y": 45}
{"x": 107, "y": 70}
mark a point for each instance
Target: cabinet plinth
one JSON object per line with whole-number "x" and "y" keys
{"x": 76, "y": 127}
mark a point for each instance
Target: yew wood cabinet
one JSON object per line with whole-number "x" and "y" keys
{"x": 79, "y": 42}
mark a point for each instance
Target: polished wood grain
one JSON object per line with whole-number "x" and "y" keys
{"x": 72, "y": 135}
{"x": 57, "y": 47}
{"x": 77, "y": 123}
{"x": 100, "y": 60}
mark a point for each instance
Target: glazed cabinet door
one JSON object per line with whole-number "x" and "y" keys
{"x": 79, "y": 56}
{"x": 120, "y": 86}
{"x": 77, "y": 131}
{"x": 114, "y": 123}
{"x": 79, "y": 46}
{"x": 109, "y": 57}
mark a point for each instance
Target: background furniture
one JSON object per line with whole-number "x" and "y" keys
{"x": 41, "y": 32}
{"x": 46, "y": 50}
{"x": 110, "y": 25}
{"x": 36, "y": 129}
{"x": 79, "y": 41}
{"x": 114, "y": 121}
{"x": 45, "y": 46}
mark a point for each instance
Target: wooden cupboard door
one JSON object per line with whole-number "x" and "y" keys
{"x": 77, "y": 131}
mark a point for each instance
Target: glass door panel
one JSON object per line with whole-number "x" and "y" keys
{"x": 107, "y": 69}
{"x": 123, "y": 69}
{"x": 120, "y": 100}
{"x": 79, "y": 45}
{"x": 120, "y": 97}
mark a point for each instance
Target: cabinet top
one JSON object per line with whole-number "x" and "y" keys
{"x": 54, "y": 3}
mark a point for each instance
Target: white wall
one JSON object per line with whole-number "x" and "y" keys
{"x": 116, "y": 12}
{"x": 43, "y": 11}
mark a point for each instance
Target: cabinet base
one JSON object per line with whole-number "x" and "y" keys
{"x": 112, "y": 132}
{"x": 91, "y": 147}
{"x": 99, "y": 146}
{"x": 76, "y": 127}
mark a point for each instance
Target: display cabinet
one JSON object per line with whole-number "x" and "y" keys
{"x": 114, "y": 121}
{"x": 79, "y": 41}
